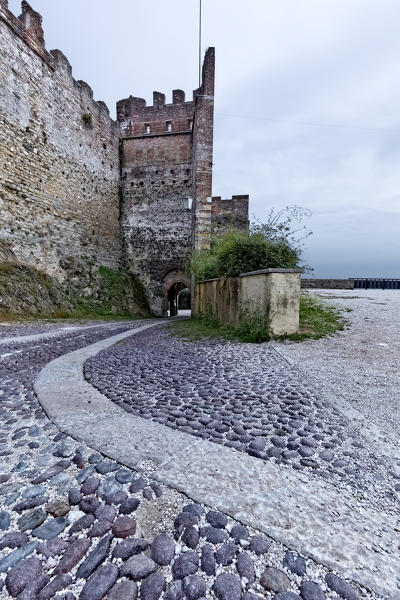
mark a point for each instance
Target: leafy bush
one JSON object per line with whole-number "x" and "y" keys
{"x": 277, "y": 243}
{"x": 237, "y": 252}
{"x": 285, "y": 225}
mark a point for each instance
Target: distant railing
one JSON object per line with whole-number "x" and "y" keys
{"x": 377, "y": 284}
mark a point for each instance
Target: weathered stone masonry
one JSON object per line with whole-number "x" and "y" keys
{"x": 59, "y": 176}
{"x": 78, "y": 188}
{"x": 166, "y": 182}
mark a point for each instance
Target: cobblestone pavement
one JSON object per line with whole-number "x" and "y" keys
{"x": 246, "y": 397}
{"x": 77, "y": 525}
{"x": 35, "y": 327}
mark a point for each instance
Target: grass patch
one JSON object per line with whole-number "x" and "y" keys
{"x": 199, "y": 328}
{"x": 317, "y": 319}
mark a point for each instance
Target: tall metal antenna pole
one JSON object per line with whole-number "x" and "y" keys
{"x": 200, "y": 16}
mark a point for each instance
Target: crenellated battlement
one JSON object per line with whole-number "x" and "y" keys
{"x": 32, "y": 23}
{"x": 230, "y": 213}
{"x": 136, "y": 118}
{"x": 28, "y": 27}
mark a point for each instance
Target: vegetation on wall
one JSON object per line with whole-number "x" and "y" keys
{"x": 87, "y": 119}
{"x": 277, "y": 243}
{"x": 111, "y": 293}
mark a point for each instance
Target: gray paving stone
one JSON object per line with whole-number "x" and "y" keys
{"x": 274, "y": 580}
{"x": 76, "y": 550}
{"x": 14, "y": 539}
{"x": 33, "y": 588}
{"x": 33, "y": 491}
{"x": 310, "y": 590}
{"x": 130, "y": 546}
{"x": 4, "y": 520}
{"x": 227, "y": 587}
{"x": 138, "y": 566}
{"x": 94, "y": 559}
{"x": 125, "y": 589}
{"x": 152, "y": 587}
{"x": 124, "y": 476}
{"x": 15, "y": 556}
{"x": 31, "y": 520}
{"x": 225, "y": 554}
{"x": 194, "y": 587}
{"x": 186, "y": 564}
{"x": 163, "y": 549}
{"x": 175, "y": 591}
{"x": 341, "y": 587}
{"x": 245, "y": 567}
{"x": 100, "y": 582}
{"x": 21, "y": 574}
{"x": 50, "y": 529}
{"x": 52, "y": 547}
{"x": 58, "y": 583}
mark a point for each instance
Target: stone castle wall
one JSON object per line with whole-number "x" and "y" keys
{"x": 59, "y": 169}
{"x": 230, "y": 213}
{"x": 78, "y": 190}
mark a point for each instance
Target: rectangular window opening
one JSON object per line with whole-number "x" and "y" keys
{"x": 147, "y": 128}
{"x": 169, "y": 125}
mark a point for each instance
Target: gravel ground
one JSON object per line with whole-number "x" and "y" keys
{"x": 76, "y": 525}
{"x": 361, "y": 364}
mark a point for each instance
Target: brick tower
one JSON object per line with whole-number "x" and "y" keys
{"x": 166, "y": 184}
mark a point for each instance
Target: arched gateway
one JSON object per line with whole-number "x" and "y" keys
{"x": 173, "y": 283}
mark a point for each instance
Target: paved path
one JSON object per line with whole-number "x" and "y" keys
{"x": 66, "y": 510}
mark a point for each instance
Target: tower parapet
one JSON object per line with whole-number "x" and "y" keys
{"x": 230, "y": 213}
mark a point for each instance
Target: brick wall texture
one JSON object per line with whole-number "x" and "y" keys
{"x": 77, "y": 186}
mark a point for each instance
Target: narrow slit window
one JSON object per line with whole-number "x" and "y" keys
{"x": 169, "y": 125}
{"x": 190, "y": 124}
{"x": 147, "y": 128}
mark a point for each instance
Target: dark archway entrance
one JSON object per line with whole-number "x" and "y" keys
{"x": 173, "y": 294}
{"x": 174, "y": 283}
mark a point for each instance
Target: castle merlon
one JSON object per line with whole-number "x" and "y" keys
{"x": 28, "y": 26}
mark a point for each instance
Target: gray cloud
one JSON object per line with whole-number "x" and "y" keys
{"x": 332, "y": 62}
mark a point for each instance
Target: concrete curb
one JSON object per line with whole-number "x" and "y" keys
{"x": 300, "y": 511}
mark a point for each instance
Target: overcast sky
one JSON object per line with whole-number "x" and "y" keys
{"x": 307, "y": 107}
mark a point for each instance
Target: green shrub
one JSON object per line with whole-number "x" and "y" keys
{"x": 237, "y": 252}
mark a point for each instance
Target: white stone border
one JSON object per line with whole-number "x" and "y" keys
{"x": 304, "y": 513}
{"x": 63, "y": 331}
